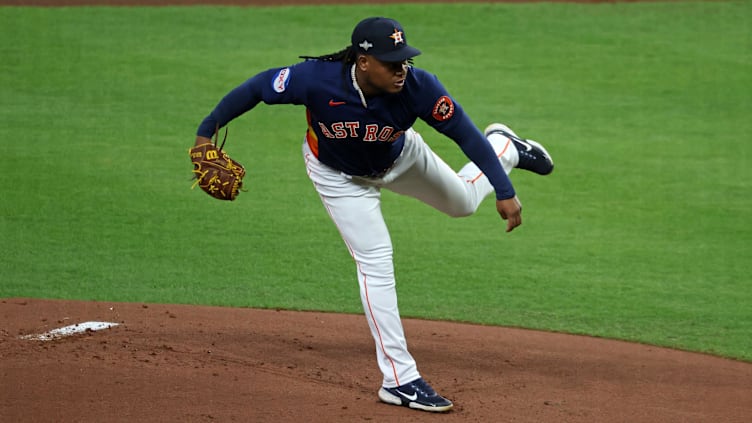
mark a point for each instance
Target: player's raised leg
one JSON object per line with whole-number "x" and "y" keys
{"x": 425, "y": 176}
{"x": 421, "y": 174}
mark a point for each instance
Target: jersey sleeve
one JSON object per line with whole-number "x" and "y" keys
{"x": 438, "y": 109}
{"x": 285, "y": 85}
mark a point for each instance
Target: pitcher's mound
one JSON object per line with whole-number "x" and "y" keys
{"x": 178, "y": 363}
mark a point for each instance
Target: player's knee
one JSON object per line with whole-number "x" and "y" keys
{"x": 461, "y": 211}
{"x": 454, "y": 206}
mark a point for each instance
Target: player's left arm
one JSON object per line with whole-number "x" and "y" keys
{"x": 443, "y": 113}
{"x": 448, "y": 117}
{"x": 477, "y": 148}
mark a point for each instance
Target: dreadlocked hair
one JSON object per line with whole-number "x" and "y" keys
{"x": 347, "y": 56}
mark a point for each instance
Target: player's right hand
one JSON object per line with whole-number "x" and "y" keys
{"x": 201, "y": 140}
{"x": 511, "y": 211}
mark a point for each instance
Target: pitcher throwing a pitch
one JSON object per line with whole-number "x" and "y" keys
{"x": 361, "y": 104}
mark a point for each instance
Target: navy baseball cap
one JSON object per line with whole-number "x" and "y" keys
{"x": 382, "y": 38}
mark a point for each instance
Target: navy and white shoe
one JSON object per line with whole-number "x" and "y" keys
{"x": 417, "y": 394}
{"x": 533, "y": 156}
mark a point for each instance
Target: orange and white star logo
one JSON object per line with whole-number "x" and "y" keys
{"x": 397, "y": 37}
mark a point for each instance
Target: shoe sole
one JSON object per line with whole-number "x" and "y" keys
{"x": 389, "y": 398}
{"x": 500, "y": 127}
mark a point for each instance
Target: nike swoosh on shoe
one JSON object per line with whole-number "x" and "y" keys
{"x": 528, "y": 147}
{"x": 412, "y": 397}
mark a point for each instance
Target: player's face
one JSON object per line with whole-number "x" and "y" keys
{"x": 384, "y": 77}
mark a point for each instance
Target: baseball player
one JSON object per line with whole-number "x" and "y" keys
{"x": 361, "y": 103}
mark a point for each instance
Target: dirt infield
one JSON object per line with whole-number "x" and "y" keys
{"x": 173, "y": 363}
{"x": 179, "y": 363}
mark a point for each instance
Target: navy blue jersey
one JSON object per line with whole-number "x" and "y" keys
{"x": 356, "y": 138}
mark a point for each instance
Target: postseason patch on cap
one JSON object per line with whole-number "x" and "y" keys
{"x": 281, "y": 79}
{"x": 443, "y": 109}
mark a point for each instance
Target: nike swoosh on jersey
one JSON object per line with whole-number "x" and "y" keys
{"x": 333, "y": 103}
{"x": 412, "y": 397}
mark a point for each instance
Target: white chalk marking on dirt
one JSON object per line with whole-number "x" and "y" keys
{"x": 70, "y": 330}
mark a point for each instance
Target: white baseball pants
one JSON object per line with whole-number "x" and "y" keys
{"x": 354, "y": 204}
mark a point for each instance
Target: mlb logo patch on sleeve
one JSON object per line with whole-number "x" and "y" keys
{"x": 281, "y": 79}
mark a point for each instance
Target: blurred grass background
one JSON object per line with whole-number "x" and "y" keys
{"x": 641, "y": 233}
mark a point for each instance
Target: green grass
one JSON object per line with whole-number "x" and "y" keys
{"x": 642, "y": 233}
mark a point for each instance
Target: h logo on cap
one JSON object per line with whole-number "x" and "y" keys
{"x": 397, "y": 36}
